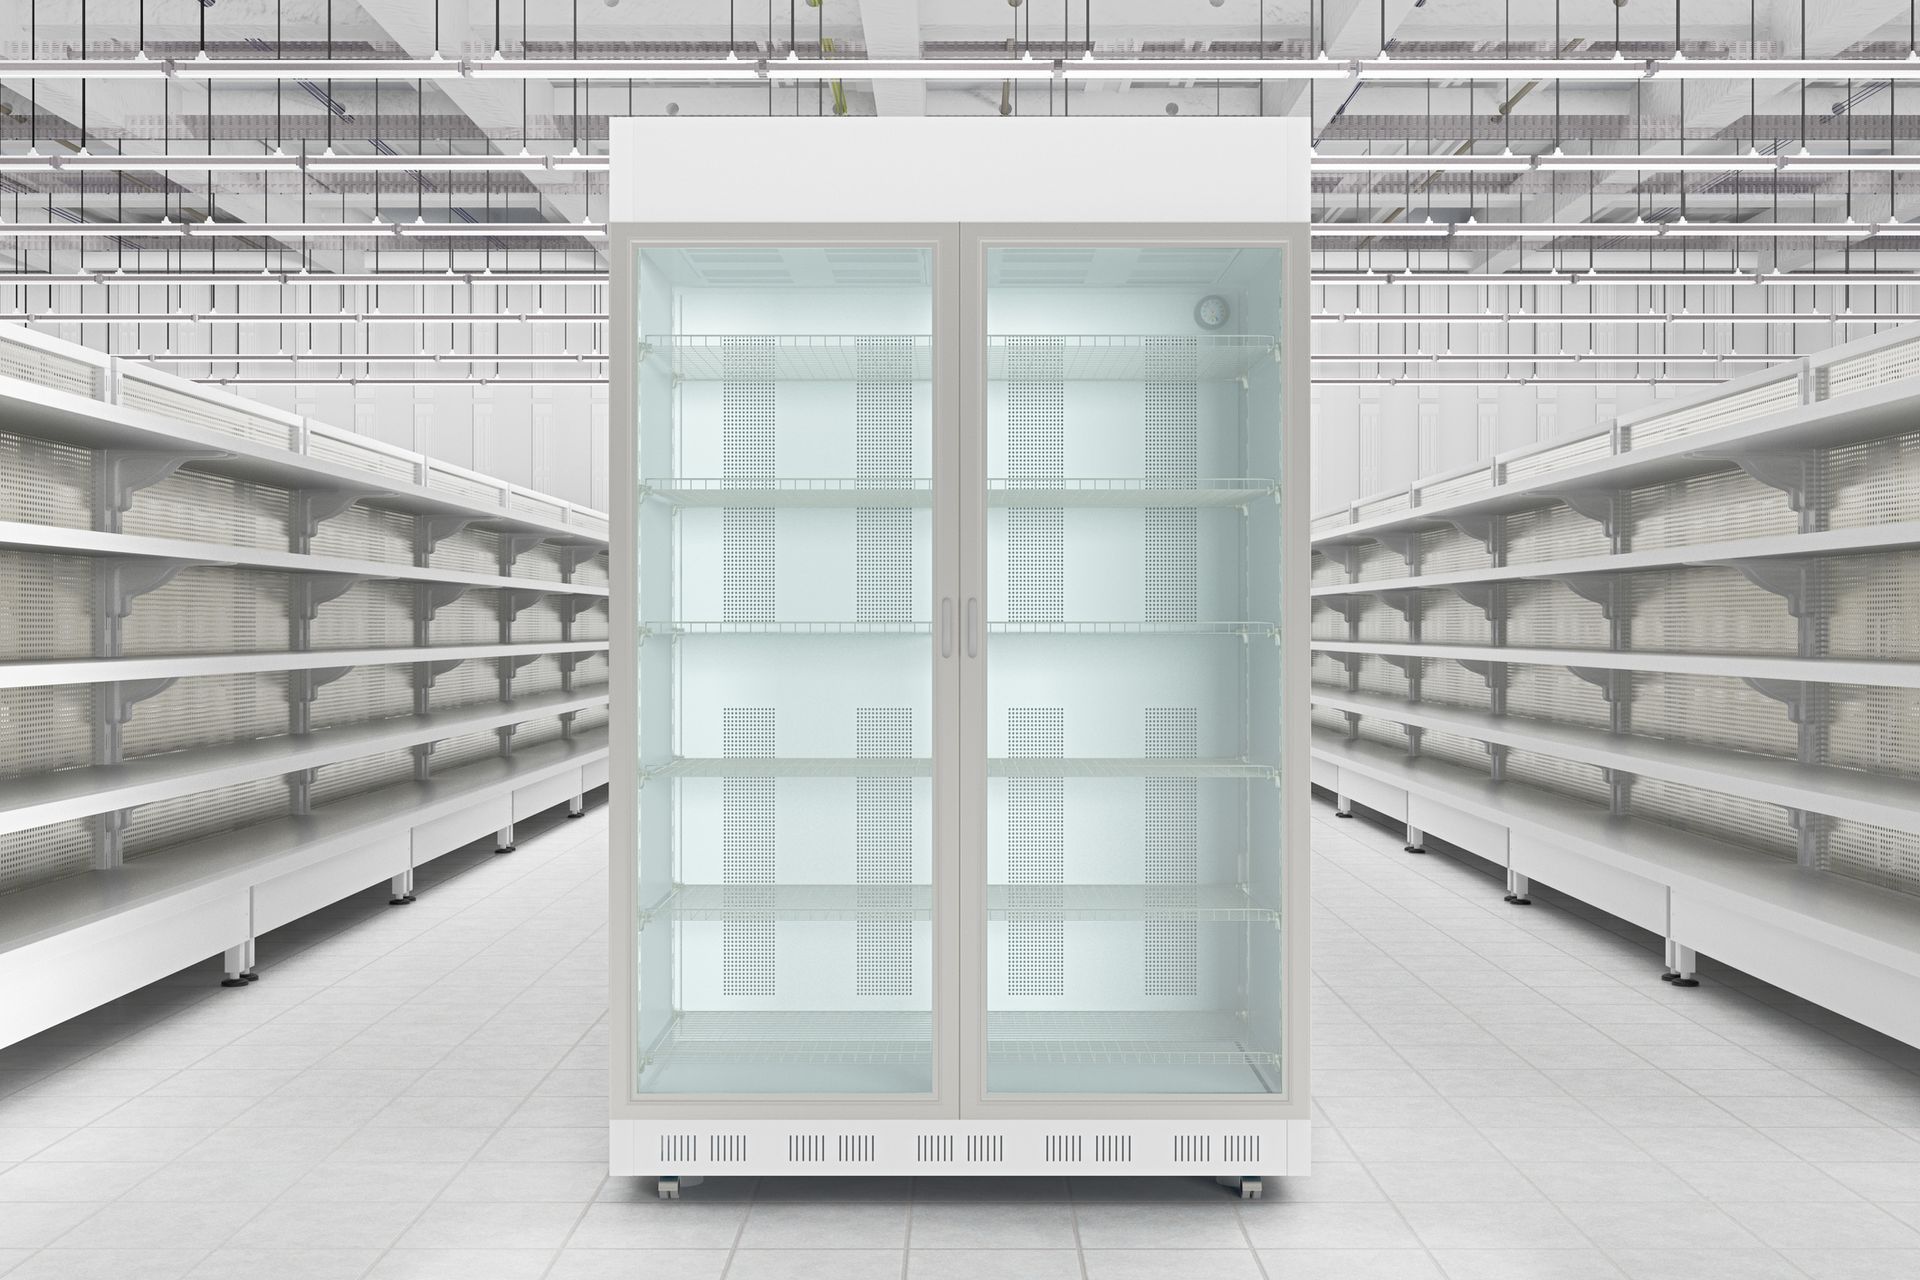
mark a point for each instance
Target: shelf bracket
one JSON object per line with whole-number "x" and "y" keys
{"x": 1615, "y": 686}
{"x": 429, "y": 531}
{"x": 311, "y": 590}
{"x": 515, "y": 545}
{"x": 1346, "y": 555}
{"x": 573, "y": 555}
{"x": 1602, "y": 506}
{"x": 517, "y": 662}
{"x": 314, "y": 507}
{"x": 121, "y": 582}
{"x": 1602, "y": 589}
{"x": 1408, "y": 664}
{"x": 1402, "y": 601}
{"x": 1804, "y": 700}
{"x": 1791, "y": 471}
{"x": 1793, "y": 580}
{"x": 1404, "y": 543}
{"x": 435, "y": 596}
{"x": 302, "y": 689}
{"x": 118, "y": 474}
{"x": 432, "y": 671}
{"x": 515, "y": 602}
{"x": 1481, "y": 528}
{"x": 1487, "y": 597}
{"x": 1346, "y": 605}
{"x": 114, "y": 702}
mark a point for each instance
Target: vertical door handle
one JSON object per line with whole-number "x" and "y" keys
{"x": 946, "y": 627}
{"x": 973, "y": 627}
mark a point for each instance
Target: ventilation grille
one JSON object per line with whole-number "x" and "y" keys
{"x": 986, "y": 1148}
{"x": 679, "y": 1148}
{"x": 1869, "y": 369}
{"x": 1240, "y": 1148}
{"x": 1557, "y": 458}
{"x": 1192, "y": 1148}
{"x": 48, "y": 369}
{"x": 1112, "y": 1148}
{"x": 933, "y": 1148}
{"x": 807, "y": 1148}
{"x": 1062, "y": 1148}
{"x": 1723, "y": 411}
{"x": 726, "y": 1148}
{"x": 139, "y": 394}
{"x": 855, "y": 1148}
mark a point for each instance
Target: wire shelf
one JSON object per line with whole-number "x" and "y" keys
{"x": 813, "y": 357}
{"x": 1101, "y": 357}
{"x": 922, "y": 767}
{"x": 1236, "y": 491}
{"x": 800, "y": 492}
{"x": 1211, "y": 903}
{"x": 705, "y": 1037}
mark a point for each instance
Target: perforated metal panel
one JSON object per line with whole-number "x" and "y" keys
{"x": 1709, "y": 610}
{"x": 593, "y": 718}
{"x": 542, "y": 675}
{"x": 466, "y": 685}
{"x": 199, "y": 507}
{"x": 1716, "y": 711}
{"x": 1327, "y": 625}
{"x": 1721, "y": 411}
{"x": 367, "y": 533}
{"x": 43, "y": 483}
{"x": 1447, "y": 619}
{"x": 1382, "y": 622}
{"x": 1874, "y": 482}
{"x": 1170, "y": 832}
{"x": 45, "y": 729}
{"x": 1172, "y": 555}
{"x": 1548, "y": 615}
{"x": 1456, "y": 750}
{"x": 152, "y": 829}
{"x": 749, "y": 813}
{"x": 541, "y": 564}
{"x": 592, "y": 573}
{"x": 1036, "y": 576}
{"x": 470, "y": 550}
{"x": 883, "y": 557}
{"x": 365, "y": 693}
{"x": 1036, "y": 857}
{"x": 1451, "y": 684}
{"x": 1874, "y": 854}
{"x": 538, "y": 623}
{"x": 1849, "y": 374}
{"x": 1450, "y": 551}
{"x": 1384, "y": 732}
{"x": 883, "y": 851}
{"x": 1552, "y": 533}
{"x": 1378, "y": 676}
{"x": 48, "y": 368}
{"x": 210, "y": 609}
{"x": 1329, "y": 671}
{"x": 747, "y": 573}
{"x": 45, "y": 853}
{"x": 1327, "y": 718}
{"x": 472, "y": 619}
{"x": 367, "y": 615}
{"x": 590, "y": 670}
{"x": 534, "y": 732}
{"x": 1036, "y": 456}
{"x": 49, "y": 607}
{"x": 354, "y": 777}
{"x": 451, "y": 753}
{"x": 592, "y": 624}
{"x": 361, "y": 455}
{"x": 1711, "y": 508}
{"x": 1557, "y": 458}
{"x": 1763, "y": 828}
{"x": 1583, "y": 782}
{"x": 1871, "y": 605}
{"x": 1552, "y": 693}
{"x": 1327, "y": 571}
{"x": 208, "y": 711}
{"x": 1876, "y": 729}
{"x": 1376, "y": 563}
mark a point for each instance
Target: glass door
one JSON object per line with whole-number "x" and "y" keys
{"x": 1130, "y": 396}
{"x": 790, "y": 696}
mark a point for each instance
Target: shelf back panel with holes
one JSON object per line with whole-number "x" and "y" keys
{"x": 181, "y": 623}
{"x": 1749, "y": 611}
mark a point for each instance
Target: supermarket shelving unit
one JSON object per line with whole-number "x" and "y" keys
{"x": 250, "y": 665}
{"x": 1670, "y": 667}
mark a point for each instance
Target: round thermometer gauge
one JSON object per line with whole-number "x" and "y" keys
{"x": 1211, "y": 312}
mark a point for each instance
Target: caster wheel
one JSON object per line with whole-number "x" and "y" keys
{"x": 669, "y": 1188}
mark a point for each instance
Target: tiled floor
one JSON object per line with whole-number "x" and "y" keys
{"x": 1504, "y": 1094}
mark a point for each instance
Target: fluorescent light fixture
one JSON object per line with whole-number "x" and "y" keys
{"x": 378, "y": 357}
{"x": 60, "y": 230}
{"x": 1552, "y": 357}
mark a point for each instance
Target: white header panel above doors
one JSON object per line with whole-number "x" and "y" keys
{"x": 1037, "y": 169}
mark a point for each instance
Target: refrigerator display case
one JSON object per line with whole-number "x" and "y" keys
{"x": 960, "y": 780}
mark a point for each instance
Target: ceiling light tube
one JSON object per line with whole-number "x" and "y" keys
{"x": 62, "y": 230}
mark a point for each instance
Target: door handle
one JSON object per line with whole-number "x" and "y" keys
{"x": 973, "y": 627}
{"x": 946, "y": 627}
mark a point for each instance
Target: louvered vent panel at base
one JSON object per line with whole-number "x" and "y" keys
{"x": 451, "y": 753}
{"x": 1553, "y": 533}
{"x": 1385, "y": 732}
{"x": 1875, "y": 729}
{"x": 1711, "y": 508}
{"x": 468, "y": 684}
{"x": 34, "y": 857}
{"x": 1447, "y": 619}
{"x": 45, "y": 729}
{"x": 1456, "y": 750}
{"x": 1712, "y": 711}
{"x": 1872, "y": 605}
{"x": 539, "y": 623}
{"x": 1450, "y": 551}
{"x": 1382, "y": 623}
{"x": 1874, "y": 482}
{"x": 1565, "y": 777}
{"x": 1556, "y": 694}
{"x": 1709, "y": 610}
{"x": 1558, "y": 458}
{"x": 208, "y": 711}
{"x": 1328, "y": 718}
{"x": 1874, "y": 854}
{"x": 1722, "y": 411}
{"x": 1869, "y": 369}
{"x": 1377, "y": 675}
{"x": 1750, "y": 824}
{"x": 1328, "y": 625}
{"x": 45, "y": 483}
{"x": 542, "y": 675}
{"x": 591, "y": 625}
{"x": 472, "y": 619}
{"x": 1376, "y": 563}
{"x": 1548, "y": 615}
{"x": 49, "y": 604}
{"x": 369, "y": 615}
{"x": 363, "y": 694}
{"x": 1447, "y": 682}
{"x": 210, "y": 610}
{"x": 1328, "y": 572}
{"x": 369, "y": 773}
{"x": 198, "y": 507}
{"x": 470, "y": 550}
{"x": 367, "y": 533}
{"x": 154, "y": 828}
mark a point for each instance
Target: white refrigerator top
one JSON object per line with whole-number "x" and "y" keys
{"x": 1069, "y": 169}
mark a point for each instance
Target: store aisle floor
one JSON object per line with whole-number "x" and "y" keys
{"x": 1503, "y": 1094}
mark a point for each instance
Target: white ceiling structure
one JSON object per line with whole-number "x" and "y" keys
{"x": 399, "y": 191}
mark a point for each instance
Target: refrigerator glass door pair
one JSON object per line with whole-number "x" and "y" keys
{"x": 958, "y": 662}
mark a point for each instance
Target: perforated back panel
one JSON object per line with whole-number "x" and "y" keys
{"x": 199, "y": 507}
{"x": 1170, "y": 422}
{"x": 534, "y": 732}
{"x": 1447, "y": 619}
{"x": 365, "y": 693}
{"x": 1452, "y": 684}
{"x": 1874, "y": 854}
{"x": 1553, "y": 693}
{"x": 367, "y": 533}
{"x": 1379, "y": 676}
{"x": 1382, "y": 622}
{"x": 1384, "y": 732}
{"x": 1552, "y": 533}
{"x": 542, "y": 675}
{"x": 206, "y": 712}
{"x": 1872, "y": 605}
{"x": 592, "y": 624}
{"x": 43, "y": 483}
{"x": 1456, "y": 750}
{"x": 45, "y": 853}
{"x": 49, "y": 603}
{"x": 1877, "y": 729}
{"x": 1874, "y": 482}
{"x": 1036, "y": 455}
{"x": 154, "y": 828}
{"x": 1036, "y": 857}
{"x": 45, "y": 729}
{"x": 353, "y": 777}
{"x": 1376, "y": 563}
{"x": 1450, "y": 551}
{"x": 367, "y": 615}
{"x": 883, "y": 857}
{"x": 1327, "y": 718}
{"x": 472, "y": 619}
{"x": 747, "y": 542}
{"x": 465, "y": 685}
{"x": 1327, "y": 625}
{"x": 210, "y": 610}
{"x": 1716, "y": 711}
{"x": 1170, "y": 833}
{"x": 1329, "y": 671}
{"x": 537, "y": 623}
{"x": 1327, "y": 571}
{"x": 451, "y": 753}
{"x": 1712, "y": 508}
{"x": 1172, "y": 568}
{"x": 1583, "y": 782}
{"x": 1549, "y": 615}
{"x": 1709, "y": 610}
{"x": 471, "y": 550}
{"x": 1751, "y": 824}
{"x": 749, "y": 812}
